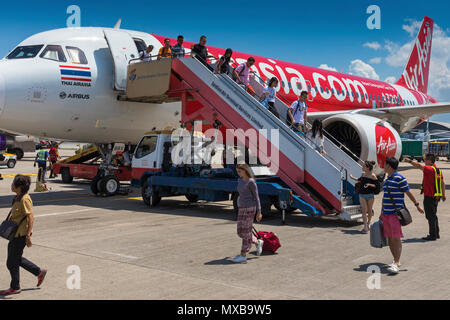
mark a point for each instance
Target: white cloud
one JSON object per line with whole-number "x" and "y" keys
{"x": 390, "y": 79}
{"x": 326, "y": 67}
{"x": 413, "y": 27}
{"x": 372, "y": 45}
{"x": 362, "y": 69}
{"x": 375, "y": 60}
{"x": 439, "y": 77}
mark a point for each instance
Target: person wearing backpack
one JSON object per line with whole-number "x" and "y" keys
{"x": 368, "y": 185}
{"x": 249, "y": 205}
{"x": 223, "y": 65}
{"x": 298, "y": 113}
{"x": 241, "y": 74}
{"x": 166, "y": 51}
{"x": 22, "y": 215}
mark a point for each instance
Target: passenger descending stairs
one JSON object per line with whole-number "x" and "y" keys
{"x": 319, "y": 180}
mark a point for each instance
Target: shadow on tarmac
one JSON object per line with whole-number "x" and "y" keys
{"x": 78, "y": 193}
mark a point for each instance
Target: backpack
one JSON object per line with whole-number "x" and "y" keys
{"x": 240, "y": 73}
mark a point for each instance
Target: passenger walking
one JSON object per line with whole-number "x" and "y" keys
{"x": 223, "y": 65}
{"x": 41, "y": 159}
{"x": 248, "y": 205}
{"x": 178, "y": 49}
{"x": 165, "y": 52}
{"x": 22, "y": 215}
{"x": 241, "y": 74}
{"x": 146, "y": 55}
{"x": 368, "y": 185}
{"x": 298, "y": 113}
{"x": 269, "y": 95}
{"x": 395, "y": 186}
{"x": 316, "y": 136}
{"x": 433, "y": 188}
{"x": 200, "y": 52}
{"x": 54, "y": 157}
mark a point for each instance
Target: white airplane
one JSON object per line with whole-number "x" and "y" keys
{"x": 65, "y": 83}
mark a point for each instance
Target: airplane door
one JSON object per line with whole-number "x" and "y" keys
{"x": 123, "y": 49}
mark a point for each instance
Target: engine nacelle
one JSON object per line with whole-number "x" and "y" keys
{"x": 367, "y": 137}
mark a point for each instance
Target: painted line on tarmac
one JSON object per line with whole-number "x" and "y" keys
{"x": 119, "y": 254}
{"x": 12, "y": 175}
{"x": 68, "y": 212}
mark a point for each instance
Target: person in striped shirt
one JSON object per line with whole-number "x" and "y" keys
{"x": 398, "y": 187}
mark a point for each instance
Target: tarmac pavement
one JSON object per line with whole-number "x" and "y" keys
{"x": 180, "y": 250}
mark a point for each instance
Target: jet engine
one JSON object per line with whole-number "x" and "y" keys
{"x": 366, "y": 137}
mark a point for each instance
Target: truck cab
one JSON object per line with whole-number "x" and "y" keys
{"x": 151, "y": 155}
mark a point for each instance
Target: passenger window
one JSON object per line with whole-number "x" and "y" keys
{"x": 147, "y": 146}
{"x": 321, "y": 89}
{"x": 76, "y": 55}
{"x": 25, "y": 52}
{"x": 52, "y": 52}
{"x": 299, "y": 86}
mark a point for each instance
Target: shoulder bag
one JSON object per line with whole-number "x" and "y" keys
{"x": 403, "y": 214}
{"x": 8, "y": 229}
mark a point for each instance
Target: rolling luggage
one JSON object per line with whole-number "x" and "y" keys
{"x": 271, "y": 241}
{"x": 377, "y": 238}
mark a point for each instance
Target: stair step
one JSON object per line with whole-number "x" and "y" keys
{"x": 351, "y": 213}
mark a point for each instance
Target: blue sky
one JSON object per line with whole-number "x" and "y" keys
{"x": 314, "y": 33}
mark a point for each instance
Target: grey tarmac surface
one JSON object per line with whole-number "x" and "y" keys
{"x": 178, "y": 250}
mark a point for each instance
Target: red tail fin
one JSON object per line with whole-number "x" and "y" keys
{"x": 415, "y": 75}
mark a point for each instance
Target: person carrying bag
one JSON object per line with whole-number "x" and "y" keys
{"x": 17, "y": 228}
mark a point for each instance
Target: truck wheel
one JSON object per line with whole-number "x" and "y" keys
{"x": 11, "y": 163}
{"x": 65, "y": 175}
{"x": 18, "y": 152}
{"x": 192, "y": 197}
{"x": 151, "y": 199}
{"x": 110, "y": 185}
{"x": 95, "y": 185}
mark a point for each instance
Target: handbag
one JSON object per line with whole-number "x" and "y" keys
{"x": 403, "y": 214}
{"x": 358, "y": 186}
{"x": 8, "y": 229}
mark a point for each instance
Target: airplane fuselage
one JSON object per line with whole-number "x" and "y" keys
{"x": 66, "y": 100}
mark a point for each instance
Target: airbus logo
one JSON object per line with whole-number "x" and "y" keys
{"x": 63, "y": 95}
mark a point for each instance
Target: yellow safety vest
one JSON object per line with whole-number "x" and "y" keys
{"x": 438, "y": 181}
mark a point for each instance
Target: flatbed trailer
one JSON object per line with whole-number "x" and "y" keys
{"x": 213, "y": 185}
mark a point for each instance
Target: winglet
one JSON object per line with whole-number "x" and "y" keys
{"x": 117, "y": 25}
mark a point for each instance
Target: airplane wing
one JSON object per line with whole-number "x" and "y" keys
{"x": 403, "y": 118}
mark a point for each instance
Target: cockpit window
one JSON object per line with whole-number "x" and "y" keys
{"x": 76, "y": 55}
{"x": 53, "y": 52}
{"x": 24, "y": 52}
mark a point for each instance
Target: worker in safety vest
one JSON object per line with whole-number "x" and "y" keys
{"x": 433, "y": 189}
{"x": 41, "y": 159}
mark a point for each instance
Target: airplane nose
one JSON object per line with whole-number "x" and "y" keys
{"x": 2, "y": 93}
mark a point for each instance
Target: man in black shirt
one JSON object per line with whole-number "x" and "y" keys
{"x": 200, "y": 52}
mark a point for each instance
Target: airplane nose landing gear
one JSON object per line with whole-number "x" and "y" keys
{"x": 106, "y": 183}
